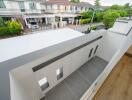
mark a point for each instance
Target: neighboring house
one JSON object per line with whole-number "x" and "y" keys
{"x": 83, "y": 6}
{"x": 64, "y": 6}
{"x": 42, "y": 11}
{"x": 65, "y": 10}
{"x": 17, "y": 7}
{"x": 58, "y": 6}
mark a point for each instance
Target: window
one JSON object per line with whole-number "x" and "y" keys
{"x": 81, "y": 8}
{"x": 59, "y": 73}
{"x": 58, "y": 7}
{"x": 65, "y": 8}
{"x": 76, "y": 8}
{"x": 90, "y": 53}
{"x": 2, "y": 5}
{"x": 86, "y": 8}
{"x": 96, "y": 49}
{"x": 71, "y": 8}
{"x": 32, "y": 5}
{"x": 43, "y": 83}
{"x": 21, "y": 6}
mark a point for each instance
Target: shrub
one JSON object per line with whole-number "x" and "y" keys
{"x": 109, "y": 18}
{"x": 122, "y": 13}
{"x": 129, "y": 11}
{"x": 99, "y": 16}
{"x": 11, "y": 28}
{"x": 2, "y": 23}
{"x": 93, "y": 27}
{"x": 85, "y": 21}
{"x": 14, "y": 27}
{"x": 87, "y": 14}
{"x": 4, "y": 31}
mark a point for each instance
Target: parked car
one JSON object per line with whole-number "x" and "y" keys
{"x": 33, "y": 25}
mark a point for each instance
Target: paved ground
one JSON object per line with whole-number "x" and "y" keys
{"x": 80, "y": 28}
{"x": 75, "y": 85}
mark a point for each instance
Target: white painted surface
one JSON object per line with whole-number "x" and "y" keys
{"x": 66, "y": 15}
{"x": 18, "y": 46}
{"x": 121, "y": 27}
{"x": 12, "y": 7}
{"x": 40, "y": 16}
{"x": 70, "y": 63}
{"x": 111, "y": 43}
{"x": 17, "y": 90}
{"x": 112, "y": 48}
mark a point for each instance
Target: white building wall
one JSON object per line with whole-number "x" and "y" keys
{"x": 28, "y": 10}
{"x": 49, "y": 7}
{"x": 55, "y": 7}
{"x": 26, "y": 5}
{"x": 69, "y": 63}
{"x": 12, "y": 7}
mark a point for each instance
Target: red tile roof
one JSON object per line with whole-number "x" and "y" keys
{"x": 60, "y": 2}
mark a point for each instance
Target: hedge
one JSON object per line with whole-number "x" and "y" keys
{"x": 11, "y": 28}
{"x": 93, "y": 27}
{"x": 99, "y": 16}
{"x": 85, "y": 21}
{"x": 4, "y": 31}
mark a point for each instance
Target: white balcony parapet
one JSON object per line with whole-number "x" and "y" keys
{"x": 37, "y": 65}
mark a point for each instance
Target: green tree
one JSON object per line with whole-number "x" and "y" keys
{"x": 97, "y": 3}
{"x": 129, "y": 11}
{"x": 117, "y": 7}
{"x": 99, "y": 16}
{"x": 75, "y": 1}
{"x": 122, "y": 13}
{"x": 87, "y": 14}
{"x": 109, "y": 18}
{"x": 127, "y": 6}
{"x": 2, "y": 23}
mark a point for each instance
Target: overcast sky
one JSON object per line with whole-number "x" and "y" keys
{"x": 110, "y": 2}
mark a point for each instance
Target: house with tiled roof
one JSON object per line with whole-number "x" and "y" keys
{"x": 42, "y": 11}
{"x": 61, "y": 6}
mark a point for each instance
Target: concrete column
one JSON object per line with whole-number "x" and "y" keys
{"x": 72, "y": 20}
{"x": 25, "y": 19}
{"x": 61, "y": 22}
{"x": 53, "y": 19}
{"x": 46, "y": 20}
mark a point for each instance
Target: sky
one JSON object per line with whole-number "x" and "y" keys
{"x": 110, "y": 2}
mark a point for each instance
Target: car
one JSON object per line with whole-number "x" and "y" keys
{"x": 33, "y": 25}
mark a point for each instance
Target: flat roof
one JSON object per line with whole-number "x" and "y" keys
{"x": 21, "y": 45}
{"x": 122, "y": 27}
